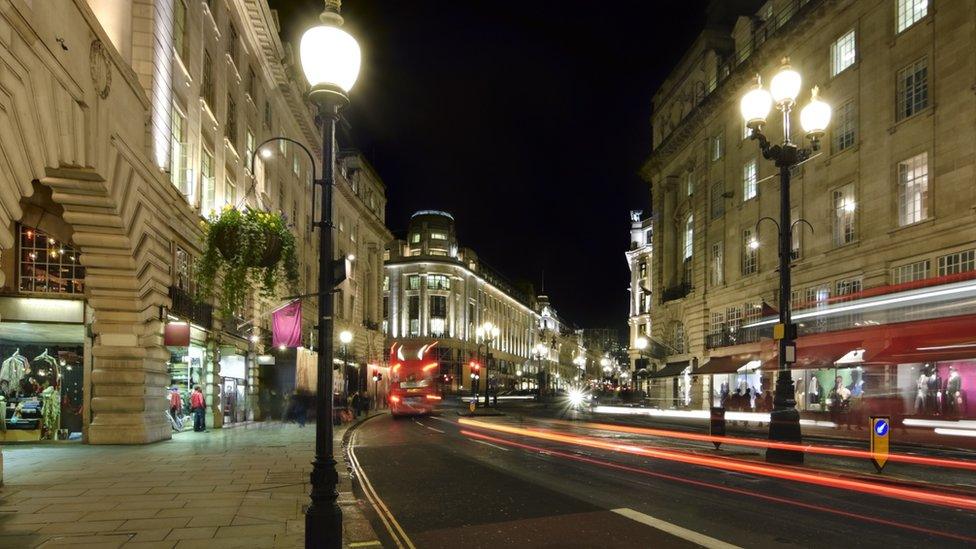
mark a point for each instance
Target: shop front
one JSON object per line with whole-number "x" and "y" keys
{"x": 43, "y": 369}
{"x": 234, "y": 386}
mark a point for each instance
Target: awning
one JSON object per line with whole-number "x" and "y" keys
{"x": 728, "y": 364}
{"x": 670, "y": 370}
{"x": 809, "y": 357}
{"x": 934, "y": 340}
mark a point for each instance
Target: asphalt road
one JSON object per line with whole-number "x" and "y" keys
{"x": 436, "y": 482}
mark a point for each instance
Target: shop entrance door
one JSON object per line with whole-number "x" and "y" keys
{"x": 230, "y": 400}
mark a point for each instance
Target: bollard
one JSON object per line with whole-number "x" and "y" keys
{"x": 717, "y": 423}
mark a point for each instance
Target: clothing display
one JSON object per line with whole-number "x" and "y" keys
{"x": 51, "y": 411}
{"x": 14, "y": 369}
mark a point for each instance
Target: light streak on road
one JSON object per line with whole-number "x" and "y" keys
{"x": 699, "y": 414}
{"x": 820, "y": 478}
{"x": 723, "y": 488}
{"x": 759, "y": 443}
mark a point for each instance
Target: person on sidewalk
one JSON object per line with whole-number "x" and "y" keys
{"x": 175, "y": 407}
{"x": 356, "y": 404}
{"x": 198, "y": 405}
{"x": 299, "y": 411}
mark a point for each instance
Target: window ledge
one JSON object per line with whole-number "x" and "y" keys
{"x": 841, "y": 247}
{"x": 233, "y": 65}
{"x": 852, "y": 149}
{"x": 927, "y": 111}
{"x": 182, "y": 66}
{"x": 907, "y": 228}
{"x": 213, "y": 20}
{"x": 230, "y": 146}
{"x": 209, "y": 112}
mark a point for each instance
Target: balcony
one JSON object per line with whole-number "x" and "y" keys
{"x": 676, "y": 292}
{"x": 185, "y": 306}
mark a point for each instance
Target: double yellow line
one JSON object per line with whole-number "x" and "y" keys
{"x": 389, "y": 521}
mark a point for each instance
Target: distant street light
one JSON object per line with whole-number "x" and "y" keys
{"x": 541, "y": 352}
{"x": 487, "y": 333}
{"x": 330, "y": 60}
{"x": 784, "y": 422}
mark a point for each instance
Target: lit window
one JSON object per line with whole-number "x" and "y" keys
{"x": 689, "y": 237}
{"x": 48, "y": 265}
{"x": 913, "y": 89}
{"x": 413, "y": 282}
{"x": 956, "y": 263}
{"x": 690, "y": 183}
{"x": 178, "y": 174}
{"x": 230, "y": 127}
{"x": 817, "y": 295}
{"x": 909, "y": 12}
{"x": 207, "y": 83}
{"x": 179, "y": 29}
{"x": 438, "y": 282}
{"x": 230, "y": 187}
{"x": 413, "y": 312}
{"x": 296, "y": 164}
{"x": 716, "y": 266}
{"x": 415, "y": 238}
{"x": 248, "y": 148}
{"x": 438, "y": 236}
{"x": 750, "y": 179}
{"x": 849, "y": 286}
{"x": 911, "y": 272}
{"x": 678, "y": 337}
{"x": 733, "y": 316}
{"x": 207, "y": 182}
{"x": 183, "y": 273}
{"x": 717, "y": 324}
{"x": 438, "y": 314}
{"x": 750, "y": 252}
{"x": 844, "y": 209}
{"x": 718, "y": 147}
{"x": 842, "y": 53}
{"x": 913, "y": 189}
{"x": 845, "y": 130}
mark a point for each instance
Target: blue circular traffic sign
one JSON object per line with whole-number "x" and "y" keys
{"x": 881, "y": 427}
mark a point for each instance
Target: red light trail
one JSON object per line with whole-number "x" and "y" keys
{"x": 819, "y": 478}
{"x": 720, "y": 487}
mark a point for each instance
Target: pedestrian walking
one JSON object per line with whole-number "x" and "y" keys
{"x": 198, "y": 405}
{"x": 175, "y": 408}
{"x": 356, "y": 403}
{"x": 298, "y": 408}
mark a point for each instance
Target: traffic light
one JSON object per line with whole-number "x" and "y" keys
{"x": 475, "y": 366}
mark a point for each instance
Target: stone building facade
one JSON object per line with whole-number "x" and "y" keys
{"x": 639, "y": 258}
{"x": 124, "y": 124}
{"x": 890, "y": 195}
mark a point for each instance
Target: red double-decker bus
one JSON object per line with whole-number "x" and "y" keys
{"x": 414, "y": 377}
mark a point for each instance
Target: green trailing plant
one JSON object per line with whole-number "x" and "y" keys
{"x": 244, "y": 250}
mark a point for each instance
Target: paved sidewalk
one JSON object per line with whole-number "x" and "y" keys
{"x": 240, "y": 487}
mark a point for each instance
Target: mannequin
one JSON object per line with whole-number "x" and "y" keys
{"x": 814, "y": 393}
{"x": 953, "y": 391}
{"x": 921, "y": 393}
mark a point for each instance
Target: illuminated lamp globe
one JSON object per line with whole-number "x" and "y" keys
{"x": 815, "y": 116}
{"x": 755, "y": 105}
{"x": 345, "y": 337}
{"x": 641, "y": 343}
{"x": 785, "y": 85}
{"x": 330, "y": 56}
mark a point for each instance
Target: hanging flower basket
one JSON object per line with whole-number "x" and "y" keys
{"x": 244, "y": 250}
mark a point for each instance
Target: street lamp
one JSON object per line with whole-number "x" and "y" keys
{"x": 488, "y": 333}
{"x": 345, "y": 337}
{"x": 330, "y": 60}
{"x": 641, "y": 343}
{"x": 541, "y": 351}
{"x": 784, "y": 422}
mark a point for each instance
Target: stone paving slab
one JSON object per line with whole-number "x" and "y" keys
{"x": 226, "y": 488}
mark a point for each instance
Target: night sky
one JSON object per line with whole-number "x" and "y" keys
{"x": 527, "y": 120}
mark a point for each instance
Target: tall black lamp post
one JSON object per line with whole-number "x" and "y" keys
{"x": 487, "y": 333}
{"x": 784, "y": 422}
{"x": 330, "y": 59}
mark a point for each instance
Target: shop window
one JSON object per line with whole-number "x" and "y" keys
{"x": 48, "y": 265}
{"x": 438, "y": 314}
{"x": 957, "y": 263}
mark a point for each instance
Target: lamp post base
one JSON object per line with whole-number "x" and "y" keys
{"x": 784, "y": 421}
{"x": 323, "y": 518}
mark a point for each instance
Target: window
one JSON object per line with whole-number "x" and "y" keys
{"x": 849, "y": 286}
{"x": 386, "y": 283}
{"x": 413, "y": 282}
{"x": 230, "y": 186}
{"x": 183, "y": 274}
{"x": 415, "y": 238}
{"x": 179, "y": 30}
{"x": 281, "y": 197}
{"x": 413, "y": 314}
{"x": 339, "y": 303}
{"x": 248, "y": 148}
{"x": 817, "y": 295}
{"x": 207, "y": 84}
{"x": 689, "y": 183}
{"x": 689, "y": 237}
{"x": 251, "y": 83}
{"x": 753, "y": 312}
{"x": 230, "y": 128}
{"x": 844, "y": 208}
{"x": 909, "y": 12}
{"x": 956, "y": 263}
{"x": 282, "y": 147}
{"x": 296, "y": 164}
{"x": 267, "y": 114}
{"x": 716, "y": 323}
{"x": 232, "y": 42}
{"x": 438, "y": 236}
{"x": 913, "y": 189}
{"x": 733, "y": 317}
{"x": 207, "y": 183}
{"x": 717, "y": 200}
{"x": 913, "y": 89}
{"x": 642, "y": 269}
{"x": 750, "y": 179}
{"x": 678, "y": 338}
{"x": 178, "y": 153}
{"x": 438, "y": 282}
{"x": 48, "y": 265}
{"x": 845, "y": 130}
{"x": 717, "y": 147}
{"x": 843, "y": 52}
{"x": 716, "y": 265}
{"x": 911, "y": 272}
{"x": 438, "y": 314}
{"x": 750, "y": 252}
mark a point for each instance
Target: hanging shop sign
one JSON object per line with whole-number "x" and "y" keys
{"x": 232, "y": 366}
{"x": 880, "y": 427}
{"x": 176, "y": 334}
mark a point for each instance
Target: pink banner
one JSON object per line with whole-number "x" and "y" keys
{"x": 287, "y": 325}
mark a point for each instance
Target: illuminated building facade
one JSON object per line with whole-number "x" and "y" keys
{"x": 888, "y": 195}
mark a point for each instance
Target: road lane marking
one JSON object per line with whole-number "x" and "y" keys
{"x": 432, "y": 429}
{"x": 674, "y": 529}
{"x": 492, "y": 445}
{"x": 373, "y": 543}
{"x": 392, "y": 526}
